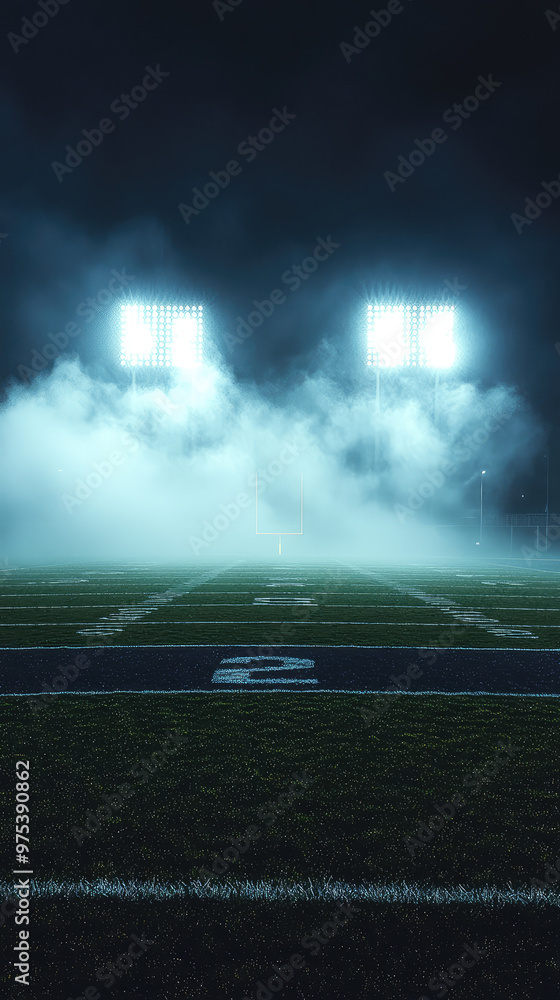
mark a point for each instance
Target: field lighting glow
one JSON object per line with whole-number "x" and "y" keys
{"x": 161, "y": 336}
{"x": 403, "y": 336}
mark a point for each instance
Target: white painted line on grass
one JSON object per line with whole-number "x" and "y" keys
{"x": 314, "y": 691}
{"x": 281, "y": 890}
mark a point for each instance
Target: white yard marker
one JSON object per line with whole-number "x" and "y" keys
{"x": 291, "y": 599}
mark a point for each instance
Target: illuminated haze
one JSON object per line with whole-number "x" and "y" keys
{"x": 195, "y": 445}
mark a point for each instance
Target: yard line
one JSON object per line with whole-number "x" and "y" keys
{"x": 133, "y": 612}
{"x": 110, "y": 593}
{"x": 253, "y": 621}
{"x": 282, "y": 890}
{"x": 445, "y": 604}
{"x": 319, "y": 593}
{"x": 277, "y": 603}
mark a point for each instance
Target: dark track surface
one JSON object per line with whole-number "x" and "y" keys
{"x": 321, "y": 668}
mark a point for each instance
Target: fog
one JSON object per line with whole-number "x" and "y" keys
{"x": 96, "y": 469}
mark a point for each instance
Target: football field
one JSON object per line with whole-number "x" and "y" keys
{"x": 219, "y": 756}
{"x": 247, "y": 605}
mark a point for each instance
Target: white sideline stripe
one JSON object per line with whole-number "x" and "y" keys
{"x": 284, "y": 891}
{"x": 287, "y": 645}
{"x": 254, "y": 690}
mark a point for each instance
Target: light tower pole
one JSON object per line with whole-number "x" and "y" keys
{"x": 377, "y": 417}
{"x": 547, "y": 487}
{"x": 482, "y": 474}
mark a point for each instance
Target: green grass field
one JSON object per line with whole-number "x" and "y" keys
{"x": 371, "y": 787}
{"x": 376, "y": 607}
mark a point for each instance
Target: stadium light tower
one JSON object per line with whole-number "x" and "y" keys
{"x": 401, "y": 335}
{"x": 161, "y": 336}
{"x": 410, "y": 336}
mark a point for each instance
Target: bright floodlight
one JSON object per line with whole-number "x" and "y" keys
{"x": 161, "y": 336}
{"x": 400, "y": 336}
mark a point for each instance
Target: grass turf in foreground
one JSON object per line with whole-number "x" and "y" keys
{"x": 371, "y": 786}
{"x": 210, "y": 951}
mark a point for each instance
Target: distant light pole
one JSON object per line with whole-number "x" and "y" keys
{"x": 547, "y": 487}
{"x": 483, "y": 473}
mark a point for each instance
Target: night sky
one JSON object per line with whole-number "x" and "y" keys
{"x": 353, "y": 108}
